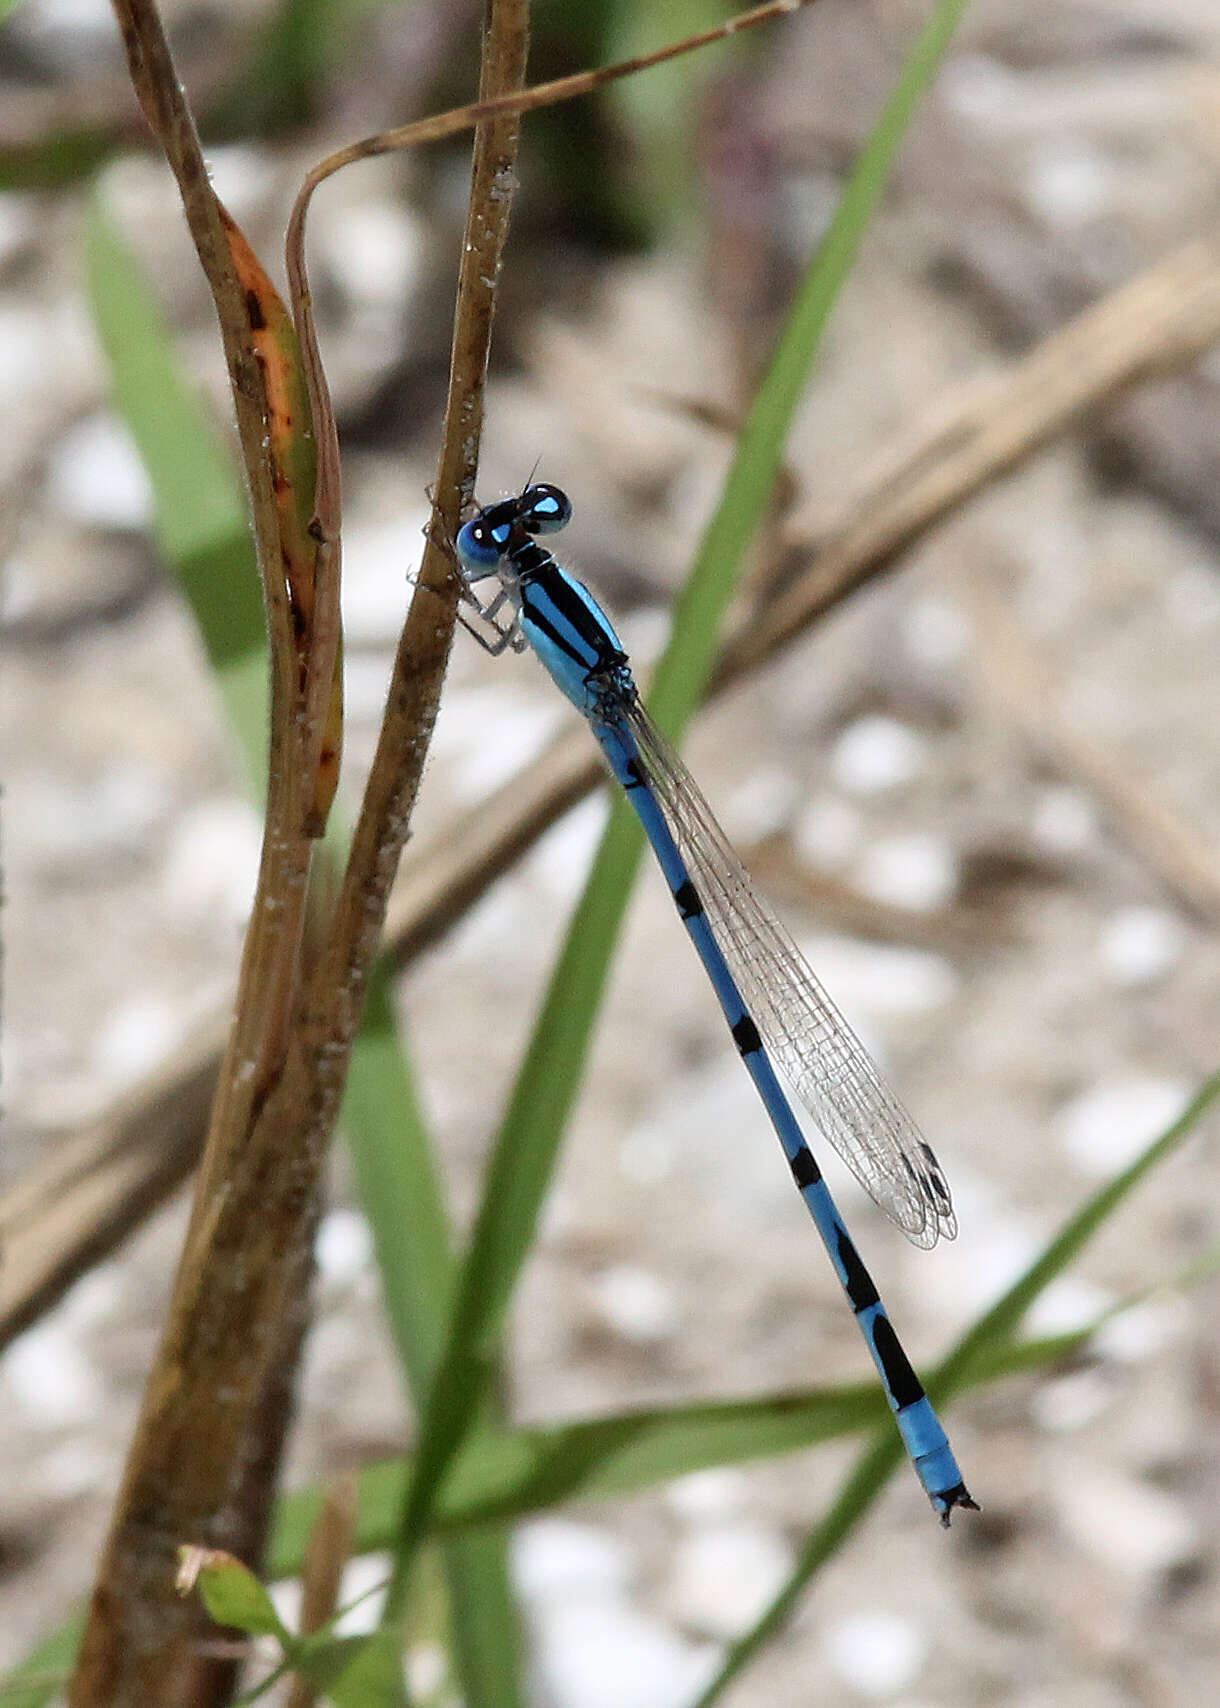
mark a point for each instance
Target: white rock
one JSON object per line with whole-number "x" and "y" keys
{"x": 1139, "y": 944}
{"x": 366, "y": 684}
{"x": 696, "y": 1129}
{"x": 725, "y": 1577}
{"x": 49, "y": 1377}
{"x": 344, "y": 1247}
{"x": 1192, "y": 599}
{"x": 982, "y": 89}
{"x": 1065, "y": 820}
{"x": 1072, "y": 1402}
{"x": 24, "y": 342}
{"x": 377, "y": 558}
{"x": 211, "y": 862}
{"x": 1109, "y": 1124}
{"x": 557, "y": 1558}
{"x": 1068, "y": 183}
{"x": 917, "y": 870}
{"x": 878, "y": 981}
{"x": 94, "y": 1300}
{"x": 75, "y": 1468}
{"x": 374, "y": 247}
{"x": 876, "y": 753}
{"x": 877, "y": 1654}
{"x": 937, "y": 633}
{"x": 966, "y": 1276}
{"x": 594, "y": 1654}
{"x": 828, "y": 832}
{"x": 127, "y": 801}
{"x": 136, "y": 1035}
{"x": 635, "y": 1304}
{"x": 1125, "y": 1525}
{"x": 719, "y": 1492}
{"x": 485, "y": 734}
{"x": 95, "y": 476}
{"x": 240, "y": 175}
{"x": 761, "y": 806}
{"x": 564, "y": 855}
{"x": 1069, "y": 1303}
{"x": 1143, "y": 1330}
{"x": 83, "y": 22}
{"x": 112, "y": 812}
{"x": 364, "y": 1582}
{"x": 285, "y": 1596}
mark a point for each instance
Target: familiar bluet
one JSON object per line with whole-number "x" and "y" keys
{"x": 775, "y": 1007}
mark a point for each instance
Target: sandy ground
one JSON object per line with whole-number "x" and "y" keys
{"x": 1061, "y": 154}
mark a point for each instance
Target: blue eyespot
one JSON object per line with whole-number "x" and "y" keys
{"x": 544, "y": 509}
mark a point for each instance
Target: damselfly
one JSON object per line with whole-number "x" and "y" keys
{"x": 776, "y": 1009}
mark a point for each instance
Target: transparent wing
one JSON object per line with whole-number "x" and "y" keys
{"x": 827, "y": 1066}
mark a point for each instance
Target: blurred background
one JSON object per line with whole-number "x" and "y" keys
{"x": 1040, "y": 985}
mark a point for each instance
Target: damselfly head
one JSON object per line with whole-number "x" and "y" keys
{"x": 544, "y": 509}
{"x": 484, "y": 540}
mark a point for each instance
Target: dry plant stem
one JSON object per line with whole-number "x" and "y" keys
{"x": 541, "y": 95}
{"x": 202, "y": 1424}
{"x": 1029, "y": 699}
{"x": 270, "y": 950}
{"x": 954, "y": 929}
{"x": 1166, "y": 316}
{"x": 254, "y": 1203}
{"x": 214, "y": 1678}
{"x": 96, "y": 1187}
{"x": 334, "y": 997}
{"x": 54, "y": 1224}
{"x": 330, "y": 1546}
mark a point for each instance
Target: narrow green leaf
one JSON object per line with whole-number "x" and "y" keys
{"x": 398, "y": 1185}
{"x": 199, "y": 501}
{"x": 39, "y": 1679}
{"x": 528, "y": 1141}
{"x": 520, "y": 1472}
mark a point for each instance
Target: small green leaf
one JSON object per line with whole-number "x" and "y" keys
{"x": 231, "y": 1593}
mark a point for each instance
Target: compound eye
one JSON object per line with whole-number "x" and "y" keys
{"x": 545, "y": 509}
{"x": 476, "y": 544}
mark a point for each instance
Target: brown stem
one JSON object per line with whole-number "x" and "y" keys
{"x": 330, "y": 1545}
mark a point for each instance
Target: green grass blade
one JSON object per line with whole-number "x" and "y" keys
{"x": 520, "y": 1472}
{"x": 39, "y": 1680}
{"x": 398, "y": 1185}
{"x": 979, "y": 1344}
{"x": 199, "y": 503}
{"x": 201, "y": 515}
{"x": 528, "y": 1142}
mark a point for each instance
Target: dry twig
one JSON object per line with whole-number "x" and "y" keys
{"x": 330, "y": 1545}
{"x": 244, "y": 1267}
{"x": 1029, "y": 699}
